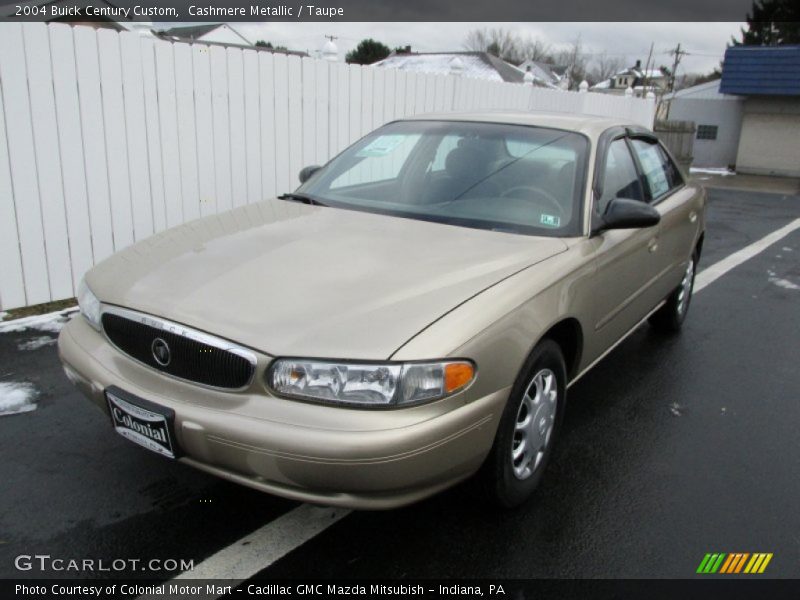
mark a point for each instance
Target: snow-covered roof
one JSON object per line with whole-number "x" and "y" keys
{"x": 478, "y": 65}
{"x": 221, "y": 33}
{"x": 704, "y": 91}
{"x": 542, "y": 71}
{"x": 603, "y": 85}
{"x": 649, "y": 73}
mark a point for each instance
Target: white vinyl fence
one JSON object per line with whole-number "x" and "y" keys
{"x": 110, "y": 137}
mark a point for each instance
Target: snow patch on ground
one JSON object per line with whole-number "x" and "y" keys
{"x": 786, "y": 249}
{"x": 37, "y": 342}
{"x": 784, "y": 283}
{"x": 676, "y": 409}
{"x": 3, "y": 314}
{"x": 711, "y": 171}
{"x": 17, "y": 398}
{"x": 52, "y": 322}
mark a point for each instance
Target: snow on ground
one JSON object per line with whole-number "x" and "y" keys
{"x": 711, "y": 171}
{"x": 37, "y": 342}
{"x": 17, "y": 398}
{"x": 52, "y": 322}
{"x": 3, "y": 314}
{"x": 784, "y": 283}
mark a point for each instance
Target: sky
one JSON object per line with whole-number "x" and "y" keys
{"x": 705, "y": 42}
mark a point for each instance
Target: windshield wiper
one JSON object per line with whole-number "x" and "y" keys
{"x": 304, "y": 198}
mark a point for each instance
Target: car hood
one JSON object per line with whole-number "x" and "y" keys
{"x": 290, "y": 279}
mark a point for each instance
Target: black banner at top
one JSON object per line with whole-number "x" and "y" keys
{"x": 375, "y": 10}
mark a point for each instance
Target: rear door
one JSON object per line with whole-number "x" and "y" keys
{"x": 680, "y": 206}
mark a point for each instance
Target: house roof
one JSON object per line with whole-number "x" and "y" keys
{"x": 640, "y": 73}
{"x": 702, "y": 91}
{"x": 191, "y": 32}
{"x": 481, "y": 65}
{"x": 761, "y": 70}
{"x": 544, "y": 71}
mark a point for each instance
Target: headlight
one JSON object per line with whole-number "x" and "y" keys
{"x": 89, "y": 305}
{"x": 364, "y": 384}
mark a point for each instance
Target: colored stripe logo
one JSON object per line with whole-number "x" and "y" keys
{"x": 737, "y": 562}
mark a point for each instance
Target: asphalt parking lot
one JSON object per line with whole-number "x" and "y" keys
{"x": 672, "y": 447}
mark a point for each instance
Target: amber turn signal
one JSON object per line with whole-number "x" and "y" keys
{"x": 457, "y": 375}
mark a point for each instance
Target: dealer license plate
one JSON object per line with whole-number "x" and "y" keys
{"x": 142, "y": 421}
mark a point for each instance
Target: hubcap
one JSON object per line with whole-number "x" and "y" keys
{"x": 536, "y": 419}
{"x": 686, "y": 288}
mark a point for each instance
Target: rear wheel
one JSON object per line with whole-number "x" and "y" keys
{"x": 528, "y": 427}
{"x": 670, "y": 317}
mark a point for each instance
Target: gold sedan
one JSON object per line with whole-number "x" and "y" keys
{"x": 411, "y": 315}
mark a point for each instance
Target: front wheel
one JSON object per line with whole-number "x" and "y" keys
{"x": 528, "y": 427}
{"x": 670, "y": 317}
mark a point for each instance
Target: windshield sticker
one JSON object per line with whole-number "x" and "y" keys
{"x": 381, "y": 146}
{"x": 550, "y": 220}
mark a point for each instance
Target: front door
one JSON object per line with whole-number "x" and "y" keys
{"x": 626, "y": 263}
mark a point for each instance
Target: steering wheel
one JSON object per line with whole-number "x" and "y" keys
{"x": 534, "y": 194}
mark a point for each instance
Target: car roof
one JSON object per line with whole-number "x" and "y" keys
{"x": 589, "y": 125}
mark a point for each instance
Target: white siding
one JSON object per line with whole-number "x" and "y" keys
{"x": 726, "y": 115}
{"x": 770, "y": 138}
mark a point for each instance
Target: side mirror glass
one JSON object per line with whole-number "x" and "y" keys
{"x": 307, "y": 172}
{"x": 623, "y": 213}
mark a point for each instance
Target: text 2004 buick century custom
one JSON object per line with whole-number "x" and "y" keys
{"x": 411, "y": 315}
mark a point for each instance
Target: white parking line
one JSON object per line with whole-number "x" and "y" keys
{"x": 259, "y": 549}
{"x": 718, "y": 269}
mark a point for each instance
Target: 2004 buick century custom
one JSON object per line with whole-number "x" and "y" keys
{"x": 412, "y": 314}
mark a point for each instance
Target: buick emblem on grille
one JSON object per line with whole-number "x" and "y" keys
{"x": 161, "y": 352}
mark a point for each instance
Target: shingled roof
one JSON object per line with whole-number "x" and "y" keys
{"x": 761, "y": 70}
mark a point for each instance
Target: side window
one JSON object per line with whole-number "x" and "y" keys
{"x": 659, "y": 171}
{"x": 620, "y": 179}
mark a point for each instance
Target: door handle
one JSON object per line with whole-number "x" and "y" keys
{"x": 692, "y": 217}
{"x": 652, "y": 245}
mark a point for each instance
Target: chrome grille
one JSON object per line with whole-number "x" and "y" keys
{"x": 193, "y": 356}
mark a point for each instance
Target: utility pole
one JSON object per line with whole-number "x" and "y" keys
{"x": 647, "y": 70}
{"x": 678, "y": 54}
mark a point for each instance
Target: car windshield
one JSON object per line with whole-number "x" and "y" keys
{"x": 493, "y": 176}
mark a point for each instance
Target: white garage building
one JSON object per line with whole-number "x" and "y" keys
{"x": 717, "y": 118}
{"x": 768, "y": 79}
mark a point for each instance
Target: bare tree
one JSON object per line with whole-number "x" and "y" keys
{"x": 604, "y": 66}
{"x": 499, "y": 42}
{"x": 506, "y": 45}
{"x": 535, "y": 50}
{"x": 574, "y": 59}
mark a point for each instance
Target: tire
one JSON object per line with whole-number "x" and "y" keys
{"x": 508, "y": 481}
{"x": 670, "y": 317}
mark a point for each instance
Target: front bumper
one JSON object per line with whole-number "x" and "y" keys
{"x": 372, "y": 459}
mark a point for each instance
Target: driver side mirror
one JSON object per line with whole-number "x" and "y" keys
{"x": 307, "y": 172}
{"x": 623, "y": 213}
